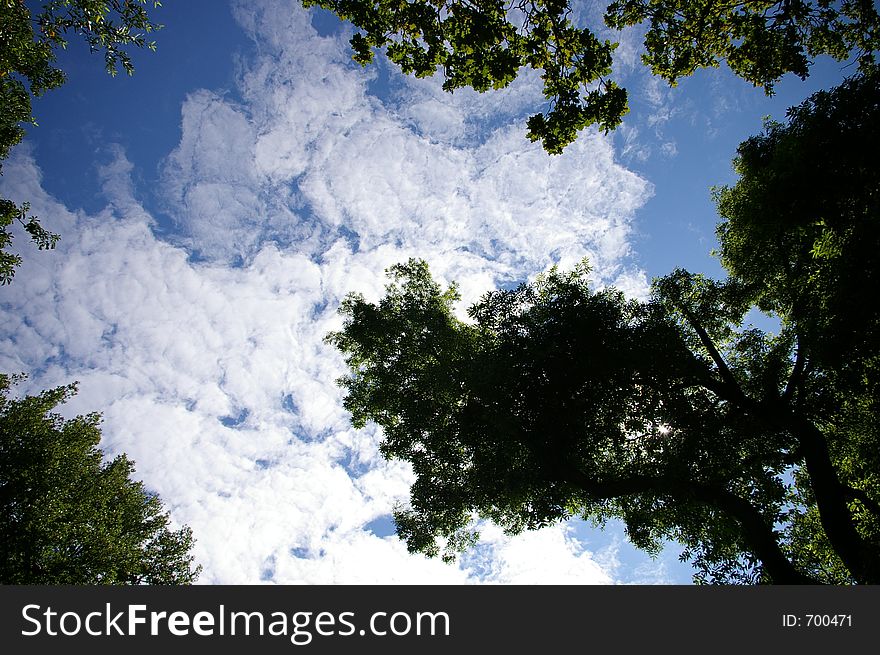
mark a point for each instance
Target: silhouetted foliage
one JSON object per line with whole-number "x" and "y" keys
{"x": 28, "y": 43}
{"x": 801, "y": 225}
{"x": 758, "y": 452}
{"x": 483, "y": 44}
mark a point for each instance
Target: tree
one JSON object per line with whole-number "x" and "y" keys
{"x": 68, "y": 517}
{"x": 28, "y": 43}
{"x": 801, "y": 225}
{"x": 802, "y": 230}
{"x": 483, "y": 44}
{"x": 758, "y": 452}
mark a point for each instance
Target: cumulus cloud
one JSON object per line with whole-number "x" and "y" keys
{"x": 203, "y": 348}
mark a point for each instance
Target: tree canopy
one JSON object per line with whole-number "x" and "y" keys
{"x": 69, "y": 517}
{"x": 483, "y": 44}
{"x": 801, "y": 225}
{"x": 756, "y": 451}
{"x": 28, "y": 43}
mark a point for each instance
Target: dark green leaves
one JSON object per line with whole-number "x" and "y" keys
{"x": 10, "y": 213}
{"x": 757, "y": 452}
{"x": 801, "y": 227}
{"x": 483, "y": 44}
{"x": 760, "y": 41}
{"x": 801, "y": 231}
{"x": 27, "y": 68}
{"x": 555, "y": 401}
{"x": 69, "y": 517}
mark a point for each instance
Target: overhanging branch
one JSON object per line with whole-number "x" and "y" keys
{"x": 734, "y": 391}
{"x": 757, "y": 532}
{"x": 796, "y": 376}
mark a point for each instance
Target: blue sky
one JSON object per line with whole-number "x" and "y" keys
{"x": 215, "y": 208}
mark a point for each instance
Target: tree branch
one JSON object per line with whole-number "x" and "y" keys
{"x": 757, "y": 532}
{"x": 831, "y": 500}
{"x": 796, "y": 376}
{"x": 724, "y": 371}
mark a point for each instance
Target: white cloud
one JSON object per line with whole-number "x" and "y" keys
{"x": 214, "y": 378}
{"x": 535, "y": 558}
